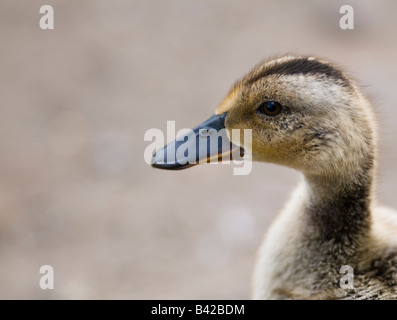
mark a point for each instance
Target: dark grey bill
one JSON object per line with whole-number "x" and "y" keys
{"x": 205, "y": 143}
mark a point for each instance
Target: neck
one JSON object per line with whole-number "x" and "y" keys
{"x": 338, "y": 209}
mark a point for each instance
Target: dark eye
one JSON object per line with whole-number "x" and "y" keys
{"x": 270, "y": 108}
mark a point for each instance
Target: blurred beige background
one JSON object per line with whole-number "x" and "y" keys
{"x": 76, "y": 101}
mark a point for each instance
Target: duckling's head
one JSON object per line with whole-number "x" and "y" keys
{"x": 304, "y": 113}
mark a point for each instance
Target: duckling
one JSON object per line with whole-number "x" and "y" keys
{"x": 307, "y": 114}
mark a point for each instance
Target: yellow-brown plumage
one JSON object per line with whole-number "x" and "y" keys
{"x": 325, "y": 128}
